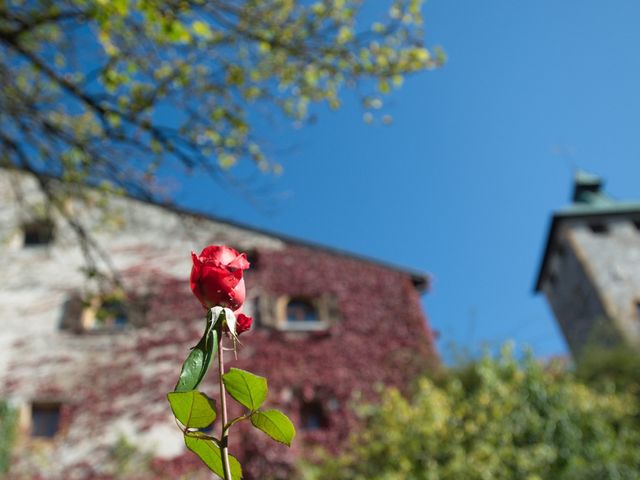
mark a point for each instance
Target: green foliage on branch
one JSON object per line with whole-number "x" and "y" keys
{"x": 501, "y": 419}
{"x": 107, "y": 91}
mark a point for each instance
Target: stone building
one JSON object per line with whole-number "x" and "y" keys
{"x": 88, "y": 368}
{"x": 590, "y": 271}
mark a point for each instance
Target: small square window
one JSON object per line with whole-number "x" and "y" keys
{"x": 38, "y": 233}
{"x": 108, "y": 313}
{"x": 598, "y": 228}
{"x": 637, "y": 305}
{"x": 45, "y": 420}
{"x": 313, "y": 416}
{"x": 636, "y": 223}
{"x": 112, "y": 314}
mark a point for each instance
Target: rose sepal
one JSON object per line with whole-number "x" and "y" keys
{"x": 224, "y": 320}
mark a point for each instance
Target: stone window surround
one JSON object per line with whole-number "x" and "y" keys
{"x": 37, "y": 232}
{"x": 26, "y": 418}
{"x": 319, "y": 305}
{"x": 89, "y": 317}
{"x": 80, "y": 314}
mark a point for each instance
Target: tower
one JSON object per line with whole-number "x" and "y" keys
{"x": 590, "y": 270}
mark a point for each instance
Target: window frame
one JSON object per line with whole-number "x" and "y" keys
{"x": 90, "y": 321}
{"x": 38, "y": 229}
{"x": 283, "y": 323}
{"x": 314, "y": 409}
{"x": 44, "y": 405}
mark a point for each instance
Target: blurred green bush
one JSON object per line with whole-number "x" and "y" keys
{"x": 496, "y": 419}
{"x": 608, "y": 369}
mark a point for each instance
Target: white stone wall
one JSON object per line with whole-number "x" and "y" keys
{"x": 36, "y": 282}
{"x": 575, "y": 302}
{"x": 612, "y": 259}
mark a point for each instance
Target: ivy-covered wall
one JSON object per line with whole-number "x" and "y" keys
{"x": 111, "y": 385}
{"x": 119, "y": 380}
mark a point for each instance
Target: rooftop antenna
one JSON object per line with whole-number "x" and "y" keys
{"x": 568, "y": 154}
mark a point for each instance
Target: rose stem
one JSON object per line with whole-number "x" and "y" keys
{"x": 224, "y": 437}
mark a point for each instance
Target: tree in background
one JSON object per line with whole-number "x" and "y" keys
{"x": 105, "y": 92}
{"x": 497, "y": 419}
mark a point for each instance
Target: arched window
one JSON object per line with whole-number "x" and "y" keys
{"x": 301, "y": 310}
{"x": 301, "y": 313}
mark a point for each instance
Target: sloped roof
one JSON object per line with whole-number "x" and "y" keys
{"x": 420, "y": 280}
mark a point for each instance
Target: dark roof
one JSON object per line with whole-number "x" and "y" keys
{"x": 589, "y": 202}
{"x": 420, "y": 280}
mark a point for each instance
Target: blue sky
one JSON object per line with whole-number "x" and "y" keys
{"x": 463, "y": 183}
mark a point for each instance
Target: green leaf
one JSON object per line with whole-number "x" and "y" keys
{"x": 192, "y": 409}
{"x": 210, "y": 454}
{"x": 202, "y": 29}
{"x": 246, "y": 388}
{"x": 275, "y": 424}
{"x": 383, "y": 85}
{"x": 197, "y": 363}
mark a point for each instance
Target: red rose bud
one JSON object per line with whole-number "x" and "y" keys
{"x": 216, "y": 277}
{"x": 243, "y": 323}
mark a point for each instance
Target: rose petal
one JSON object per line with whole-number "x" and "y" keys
{"x": 216, "y": 277}
{"x": 211, "y": 255}
{"x": 194, "y": 279}
{"x": 240, "y": 262}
